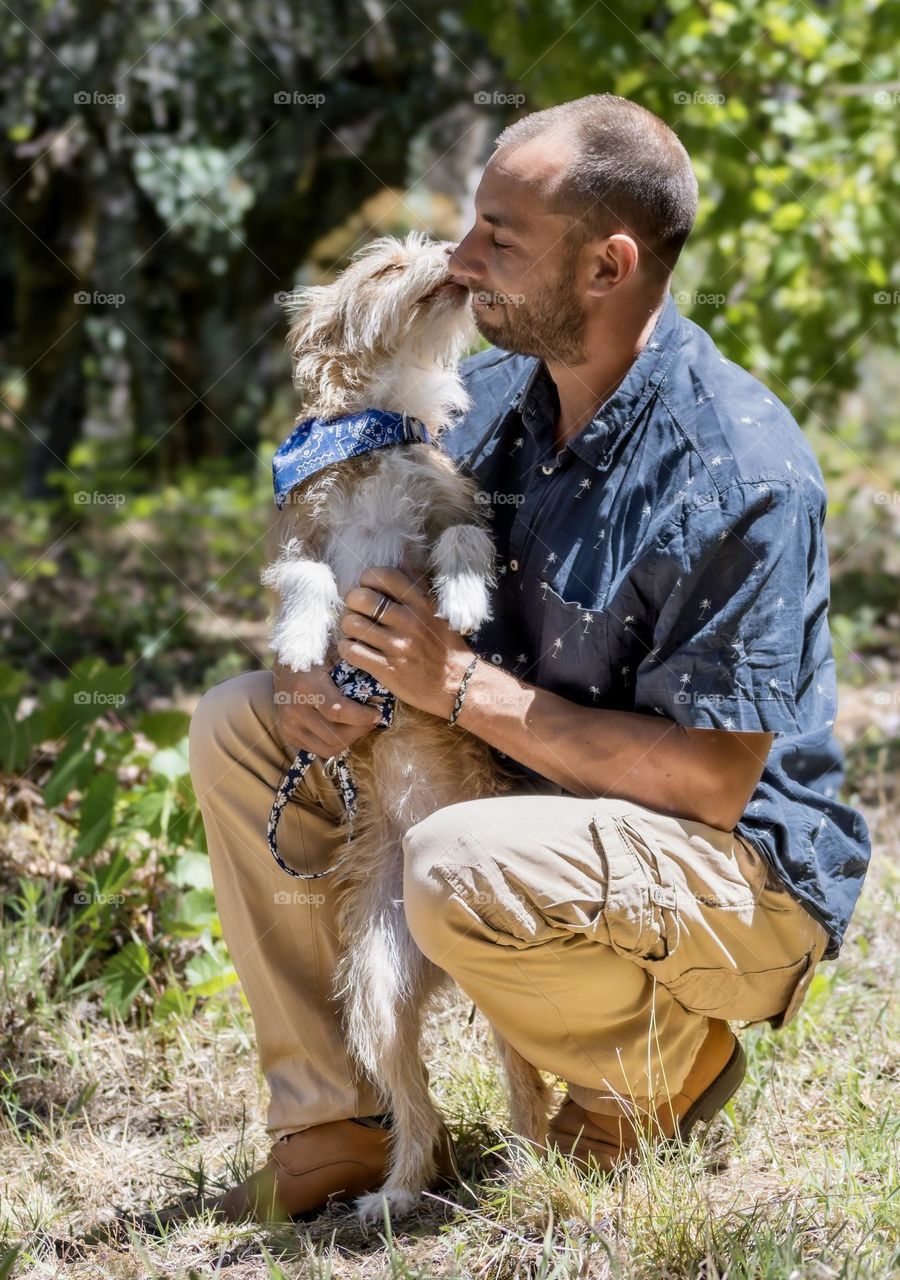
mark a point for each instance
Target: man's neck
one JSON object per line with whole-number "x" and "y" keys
{"x": 583, "y": 388}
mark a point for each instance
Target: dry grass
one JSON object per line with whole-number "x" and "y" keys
{"x": 794, "y": 1180}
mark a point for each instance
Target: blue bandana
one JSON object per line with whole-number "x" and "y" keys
{"x": 316, "y": 443}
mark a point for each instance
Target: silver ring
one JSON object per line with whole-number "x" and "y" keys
{"x": 381, "y": 608}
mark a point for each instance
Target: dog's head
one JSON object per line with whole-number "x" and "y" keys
{"x": 392, "y": 311}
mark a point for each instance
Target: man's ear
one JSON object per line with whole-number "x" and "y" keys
{"x": 613, "y": 261}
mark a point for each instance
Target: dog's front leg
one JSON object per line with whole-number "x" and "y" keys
{"x": 310, "y": 607}
{"x": 462, "y": 569}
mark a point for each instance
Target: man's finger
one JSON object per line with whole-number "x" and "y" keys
{"x": 394, "y": 583}
{"x": 344, "y": 710}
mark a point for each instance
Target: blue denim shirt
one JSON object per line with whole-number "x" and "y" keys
{"x": 670, "y": 561}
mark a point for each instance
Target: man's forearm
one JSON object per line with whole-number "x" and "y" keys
{"x": 598, "y": 752}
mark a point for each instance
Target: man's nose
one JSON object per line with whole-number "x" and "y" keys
{"x": 460, "y": 270}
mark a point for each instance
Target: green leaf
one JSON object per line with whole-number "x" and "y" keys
{"x": 124, "y": 975}
{"x": 96, "y": 815}
{"x": 73, "y": 767}
{"x": 192, "y": 871}
{"x": 171, "y": 763}
{"x": 210, "y": 972}
{"x": 164, "y": 728}
{"x": 174, "y": 1003}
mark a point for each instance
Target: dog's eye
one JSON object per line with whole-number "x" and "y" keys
{"x": 392, "y": 266}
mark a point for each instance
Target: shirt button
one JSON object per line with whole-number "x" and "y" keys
{"x": 497, "y": 658}
{"x": 548, "y": 471}
{"x": 514, "y": 564}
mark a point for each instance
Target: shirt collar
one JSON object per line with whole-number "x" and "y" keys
{"x": 538, "y": 403}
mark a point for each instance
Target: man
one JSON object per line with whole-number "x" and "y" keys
{"x": 658, "y": 669}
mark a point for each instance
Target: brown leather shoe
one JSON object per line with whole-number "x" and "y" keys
{"x": 304, "y": 1170}
{"x": 597, "y": 1140}
{"x": 334, "y": 1161}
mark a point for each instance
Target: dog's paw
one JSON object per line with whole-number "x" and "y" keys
{"x": 370, "y": 1208}
{"x": 463, "y": 601}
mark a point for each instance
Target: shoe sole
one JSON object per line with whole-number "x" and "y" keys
{"x": 723, "y": 1088}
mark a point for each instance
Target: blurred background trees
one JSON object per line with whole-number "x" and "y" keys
{"x": 167, "y": 169}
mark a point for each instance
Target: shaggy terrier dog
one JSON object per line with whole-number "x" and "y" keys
{"x": 387, "y": 335}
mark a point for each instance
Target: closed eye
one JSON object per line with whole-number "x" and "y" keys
{"x": 498, "y": 245}
{"x": 391, "y": 266}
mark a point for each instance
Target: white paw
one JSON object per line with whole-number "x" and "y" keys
{"x": 463, "y": 601}
{"x": 370, "y": 1208}
{"x": 300, "y": 649}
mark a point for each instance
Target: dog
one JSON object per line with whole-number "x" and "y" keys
{"x": 388, "y": 335}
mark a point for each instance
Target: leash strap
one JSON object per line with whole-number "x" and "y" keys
{"x": 360, "y": 686}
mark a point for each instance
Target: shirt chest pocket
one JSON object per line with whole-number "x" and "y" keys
{"x": 572, "y": 643}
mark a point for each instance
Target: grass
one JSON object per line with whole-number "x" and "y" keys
{"x": 797, "y": 1179}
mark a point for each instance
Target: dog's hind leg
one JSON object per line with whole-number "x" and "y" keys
{"x": 529, "y": 1094}
{"x": 388, "y": 1045}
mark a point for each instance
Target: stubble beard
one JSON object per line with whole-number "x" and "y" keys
{"x": 550, "y": 324}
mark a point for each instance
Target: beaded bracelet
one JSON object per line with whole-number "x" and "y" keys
{"x": 461, "y": 691}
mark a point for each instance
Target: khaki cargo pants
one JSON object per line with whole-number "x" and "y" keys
{"x": 598, "y": 936}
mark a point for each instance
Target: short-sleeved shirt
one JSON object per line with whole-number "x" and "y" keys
{"x": 670, "y": 561}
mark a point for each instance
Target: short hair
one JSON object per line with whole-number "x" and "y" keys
{"x": 630, "y": 171}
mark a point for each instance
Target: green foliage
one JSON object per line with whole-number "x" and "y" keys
{"x": 790, "y": 118}
{"x": 138, "y": 845}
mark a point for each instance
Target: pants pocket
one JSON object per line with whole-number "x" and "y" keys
{"x": 751, "y": 996}
{"x": 640, "y": 908}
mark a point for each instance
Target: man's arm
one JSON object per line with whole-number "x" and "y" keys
{"x": 704, "y": 775}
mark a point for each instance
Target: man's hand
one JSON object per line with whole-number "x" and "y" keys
{"x": 414, "y": 654}
{"x": 311, "y": 712}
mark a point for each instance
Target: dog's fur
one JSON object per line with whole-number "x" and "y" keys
{"x": 388, "y": 334}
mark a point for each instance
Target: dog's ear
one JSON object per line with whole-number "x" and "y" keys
{"x": 317, "y": 331}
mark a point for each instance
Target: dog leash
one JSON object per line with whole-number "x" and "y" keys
{"x": 360, "y": 686}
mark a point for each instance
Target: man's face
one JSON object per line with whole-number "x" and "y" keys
{"x": 518, "y": 261}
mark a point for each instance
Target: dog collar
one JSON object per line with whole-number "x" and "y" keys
{"x": 316, "y": 443}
